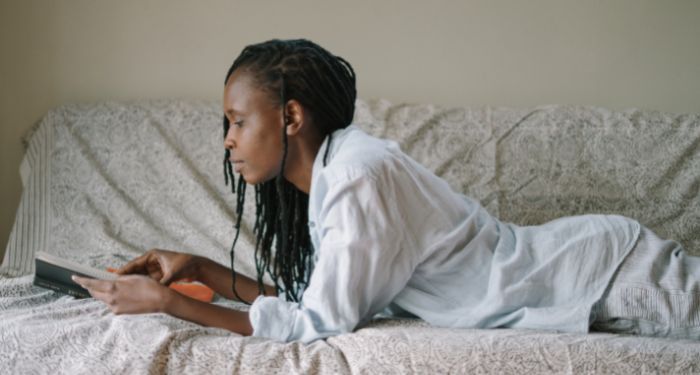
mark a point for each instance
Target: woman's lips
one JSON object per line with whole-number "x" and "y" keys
{"x": 237, "y": 165}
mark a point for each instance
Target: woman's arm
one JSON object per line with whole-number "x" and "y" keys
{"x": 207, "y": 314}
{"x": 166, "y": 266}
{"x": 137, "y": 294}
{"x": 219, "y": 278}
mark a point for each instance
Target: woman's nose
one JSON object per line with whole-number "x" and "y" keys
{"x": 229, "y": 142}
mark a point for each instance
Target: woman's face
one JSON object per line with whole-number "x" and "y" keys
{"x": 254, "y": 137}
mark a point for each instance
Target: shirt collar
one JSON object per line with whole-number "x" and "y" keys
{"x": 338, "y": 136}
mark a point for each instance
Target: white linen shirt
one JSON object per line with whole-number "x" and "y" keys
{"x": 391, "y": 237}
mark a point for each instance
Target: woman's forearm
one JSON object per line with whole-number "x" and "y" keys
{"x": 206, "y": 314}
{"x": 219, "y": 278}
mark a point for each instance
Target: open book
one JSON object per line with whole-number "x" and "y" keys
{"x": 55, "y": 273}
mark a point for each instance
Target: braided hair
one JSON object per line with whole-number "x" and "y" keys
{"x": 324, "y": 84}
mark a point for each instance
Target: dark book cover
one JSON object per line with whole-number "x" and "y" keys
{"x": 55, "y": 273}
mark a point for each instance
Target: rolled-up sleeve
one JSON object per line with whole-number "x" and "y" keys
{"x": 364, "y": 261}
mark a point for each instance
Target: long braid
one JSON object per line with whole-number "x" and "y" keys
{"x": 239, "y": 215}
{"x": 325, "y": 86}
{"x": 282, "y": 193}
{"x": 228, "y": 169}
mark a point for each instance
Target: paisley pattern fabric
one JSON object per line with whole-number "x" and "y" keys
{"x": 104, "y": 182}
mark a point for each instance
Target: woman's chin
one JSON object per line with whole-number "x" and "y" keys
{"x": 255, "y": 180}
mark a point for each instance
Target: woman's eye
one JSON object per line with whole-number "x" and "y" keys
{"x": 238, "y": 123}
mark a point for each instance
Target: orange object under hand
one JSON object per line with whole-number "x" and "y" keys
{"x": 193, "y": 290}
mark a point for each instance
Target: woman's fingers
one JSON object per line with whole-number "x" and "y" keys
{"x": 137, "y": 265}
{"x": 99, "y": 289}
{"x": 130, "y": 294}
{"x": 134, "y": 265}
{"x": 106, "y": 298}
{"x": 93, "y": 284}
{"x": 154, "y": 268}
{"x": 161, "y": 265}
{"x": 166, "y": 272}
{"x": 102, "y": 290}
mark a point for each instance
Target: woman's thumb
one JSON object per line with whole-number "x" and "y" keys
{"x": 165, "y": 280}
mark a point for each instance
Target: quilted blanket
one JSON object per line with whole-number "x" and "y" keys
{"x": 104, "y": 182}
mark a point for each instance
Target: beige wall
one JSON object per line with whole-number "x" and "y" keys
{"x": 614, "y": 53}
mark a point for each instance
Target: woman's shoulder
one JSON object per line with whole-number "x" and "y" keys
{"x": 356, "y": 153}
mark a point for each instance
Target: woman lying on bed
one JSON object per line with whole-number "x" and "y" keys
{"x": 349, "y": 226}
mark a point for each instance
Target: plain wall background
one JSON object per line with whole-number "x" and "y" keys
{"x": 613, "y": 53}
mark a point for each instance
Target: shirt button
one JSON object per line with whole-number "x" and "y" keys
{"x": 311, "y": 224}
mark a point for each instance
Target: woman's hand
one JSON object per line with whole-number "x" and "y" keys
{"x": 138, "y": 294}
{"x": 164, "y": 266}
{"x": 131, "y": 294}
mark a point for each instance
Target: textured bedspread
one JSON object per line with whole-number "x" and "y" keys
{"x": 105, "y": 182}
{"x": 41, "y": 332}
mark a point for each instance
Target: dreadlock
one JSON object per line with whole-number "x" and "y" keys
{"x": 324, "y": 84}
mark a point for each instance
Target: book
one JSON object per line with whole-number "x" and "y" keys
{"x": 55, "y": 273}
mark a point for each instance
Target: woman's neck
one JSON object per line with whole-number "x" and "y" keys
{"x": 301, "y": 155}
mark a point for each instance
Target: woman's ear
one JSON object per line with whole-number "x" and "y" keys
{"x": 294, "y": 120}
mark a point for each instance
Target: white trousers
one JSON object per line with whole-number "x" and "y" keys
{"x": 655, "y": 292}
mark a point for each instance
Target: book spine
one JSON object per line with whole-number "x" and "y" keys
{"x": 60, "y": 288}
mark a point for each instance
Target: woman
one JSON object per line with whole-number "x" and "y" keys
{"x": 358, "y": 228}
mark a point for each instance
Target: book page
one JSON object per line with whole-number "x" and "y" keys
{"x": 83, "y": 269}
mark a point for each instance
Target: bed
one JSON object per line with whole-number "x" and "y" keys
{"x": 104, "y": 182}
